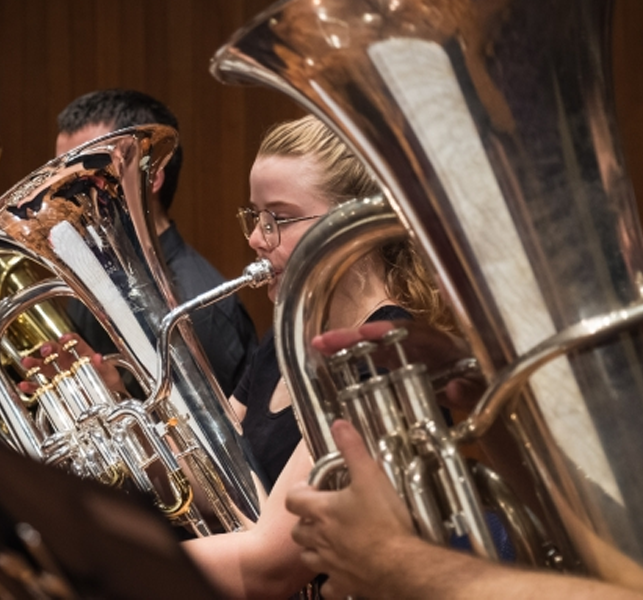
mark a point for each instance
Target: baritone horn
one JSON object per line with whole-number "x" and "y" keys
{"x": 84, "y": 217}
{"x": 491, "y": 128}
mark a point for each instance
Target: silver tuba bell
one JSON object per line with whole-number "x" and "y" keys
{"x": 491, "y": 128}
{"x": 83, "y": 217}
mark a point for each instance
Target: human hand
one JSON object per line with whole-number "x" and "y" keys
{"x": 343, "y": 531}
{"x": 437, "y": 349}
{"x": 66, "y": 359}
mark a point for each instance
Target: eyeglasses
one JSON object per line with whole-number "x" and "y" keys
{"x": 268, "y": 223}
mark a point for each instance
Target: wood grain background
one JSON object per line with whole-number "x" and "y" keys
{"x": 54, "y": 50}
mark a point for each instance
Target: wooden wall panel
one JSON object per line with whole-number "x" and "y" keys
{"x": 628, "y": 86}
{"x": 53, "y": 50}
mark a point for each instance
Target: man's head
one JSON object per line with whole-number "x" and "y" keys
{"x": 103, "y": 111}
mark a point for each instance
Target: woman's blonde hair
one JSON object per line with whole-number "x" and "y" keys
{"x": 343, "y": 177}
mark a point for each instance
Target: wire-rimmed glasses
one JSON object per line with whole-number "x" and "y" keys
{"x": 269, "y": 224}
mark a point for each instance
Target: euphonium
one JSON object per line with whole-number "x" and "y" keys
{"x": 83, "y": 217}
{"x": 491, "y": 128}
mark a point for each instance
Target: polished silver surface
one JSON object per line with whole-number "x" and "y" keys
{"x": 84, "y": 216}
{"x": 318, "y": 262}
{"x": 492, "y": 129}
{"x": 254, "y": 275}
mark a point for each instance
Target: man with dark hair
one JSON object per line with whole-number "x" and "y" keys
{"x": 224, "y": 329}
{"x": 109, "y": 110}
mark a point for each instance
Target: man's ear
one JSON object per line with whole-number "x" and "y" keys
{"x": 159, "y": 178}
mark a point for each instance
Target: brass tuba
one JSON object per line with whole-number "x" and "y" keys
{"x": 491, "y": 128}
{"x": 83, "y": 217}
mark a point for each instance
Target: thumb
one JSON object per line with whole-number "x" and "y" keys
{"x": 351, "y": 445}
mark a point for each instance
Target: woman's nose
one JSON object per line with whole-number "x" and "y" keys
{"x": 256, "y": 240}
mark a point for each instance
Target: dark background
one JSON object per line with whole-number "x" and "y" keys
{"x": 54, "y": 50}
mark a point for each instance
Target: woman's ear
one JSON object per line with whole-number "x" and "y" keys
{"x": 159, "y": 178}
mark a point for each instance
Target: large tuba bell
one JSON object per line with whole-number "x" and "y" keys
{"x": 83, "y": 217}
{"x": 491, "y": 128}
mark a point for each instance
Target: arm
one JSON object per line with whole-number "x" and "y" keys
{"x": 263, "y": 562}
{"x": 419, "y": 570}
{"x": 363, "y": 539}
{"x": 238, "y": 408}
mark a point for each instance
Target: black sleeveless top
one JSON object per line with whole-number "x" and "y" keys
{"x": 274, "y": 436}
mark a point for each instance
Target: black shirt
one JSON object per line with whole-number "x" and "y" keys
{"x": 273, "y": 437}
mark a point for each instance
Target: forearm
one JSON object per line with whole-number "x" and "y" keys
{"x": 218, "y": 557}
{"x": 238, "y": 565}
{"x": 263, "y": 562}
{"x": 411, "y": 569}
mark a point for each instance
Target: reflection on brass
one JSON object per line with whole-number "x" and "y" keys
{"x": 82, "y": 221}
{"x": 45, "y": 321}
{"x": 491, "y": 128}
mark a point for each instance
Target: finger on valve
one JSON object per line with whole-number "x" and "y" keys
{"x": 77, "y": 346}
{"x": 49, "y": 352}
{"x": 60, "y": 355}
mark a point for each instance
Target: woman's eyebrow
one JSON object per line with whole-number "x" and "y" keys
{"x": 280, "y": 205}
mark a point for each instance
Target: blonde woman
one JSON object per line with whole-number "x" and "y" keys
{"x": 301, "y": 171}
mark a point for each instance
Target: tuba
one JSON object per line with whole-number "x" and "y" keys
{"x": 84, "y": 218}
{"x": 491, "y": 128}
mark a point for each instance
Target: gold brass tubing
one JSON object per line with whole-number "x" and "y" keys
{"x": 113, "y": 477}
{"x": 183, "y": 493}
